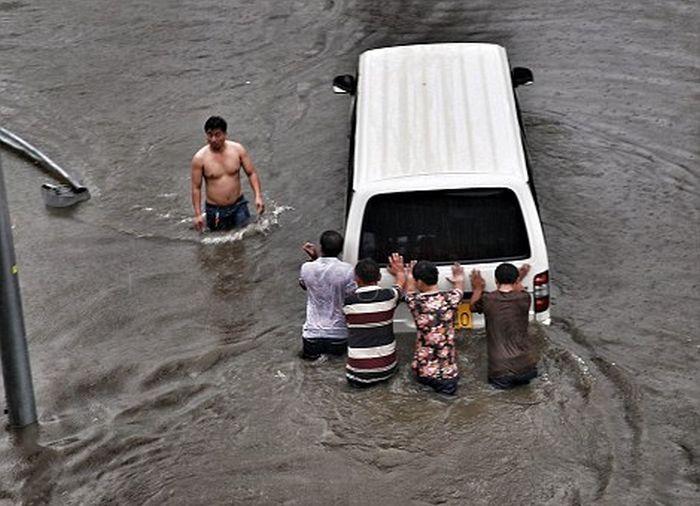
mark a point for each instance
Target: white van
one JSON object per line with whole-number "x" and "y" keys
{"x": 438, "y": 169}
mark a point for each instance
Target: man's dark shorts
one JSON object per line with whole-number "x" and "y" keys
{"x": 513, "y": 380}
{"x": 314, "y": 348}
{"x": 227, "y": 217}
{"x": 441, "y": 386}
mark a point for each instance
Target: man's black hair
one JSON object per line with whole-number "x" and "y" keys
{"x": 506, "y": 274}
{"x": 426, "y": 272}
{"x": 368, "y": 271}
{"x": 331, "y": 243}
{"x": 215, "y": 123}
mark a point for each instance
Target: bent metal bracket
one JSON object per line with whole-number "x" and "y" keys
{"x": 62, "y": 195}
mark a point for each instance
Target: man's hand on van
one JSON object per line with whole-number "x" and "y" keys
{"x": 478, "y": 286}
{"x": 522, "y": 272}
{"x": 396, "y": 269}
{"x": 457, "y": 278}
{"x": 311, "y": 250}
{"x": 410, "y": 280}
{"x": 477, "y": 281}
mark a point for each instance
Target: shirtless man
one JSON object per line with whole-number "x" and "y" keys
{"x": 219, "y": 164}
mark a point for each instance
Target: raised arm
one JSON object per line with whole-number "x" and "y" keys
{"x": 457, "y": 278}
{"x": 396, "y": 268}
{"x": 478, "y": 285}
{"x": 252, "y": 174}
{"x": 310, "y": 249}
{"x": 410, "y": 280}
{"x": 197, "y": 171}
{"x": 522, "y": 272}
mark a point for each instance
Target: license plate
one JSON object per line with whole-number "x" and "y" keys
{"x": 463, "y": 317}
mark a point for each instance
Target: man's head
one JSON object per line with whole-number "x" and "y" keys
{"x": 367, "y": 272}
{"x": 426, "y": 275}
{"x": 506, "y": 274}
{"x": 331, "y": 243}
{"x": 215, "y": 128}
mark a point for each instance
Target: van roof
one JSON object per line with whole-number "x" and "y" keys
{"x": 436, "y": 109}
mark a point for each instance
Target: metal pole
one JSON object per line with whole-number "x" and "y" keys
{"x": 16, "y": 373}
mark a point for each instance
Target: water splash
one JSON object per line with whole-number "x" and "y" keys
{"x": 261, "y": 226}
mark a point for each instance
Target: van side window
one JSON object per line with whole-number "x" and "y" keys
{"x": 468, "y": 226}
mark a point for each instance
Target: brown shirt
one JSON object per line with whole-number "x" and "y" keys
{"x": 510, "y": 349}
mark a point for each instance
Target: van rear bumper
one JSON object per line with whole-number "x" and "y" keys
{"x": 403, "y": 321}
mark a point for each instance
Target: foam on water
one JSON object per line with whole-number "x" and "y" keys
{"x": 261, "y": 226}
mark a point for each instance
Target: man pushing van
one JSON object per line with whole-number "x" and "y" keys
{"x": 219, "y": 164}
{"x": 511, "y": 350}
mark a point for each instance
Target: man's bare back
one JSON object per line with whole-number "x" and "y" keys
{"x": 219, "y": 163}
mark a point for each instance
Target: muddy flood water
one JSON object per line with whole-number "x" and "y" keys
{"x": 165, "y": 363}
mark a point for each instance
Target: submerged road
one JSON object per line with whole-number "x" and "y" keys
{"x": 165, "y": 365}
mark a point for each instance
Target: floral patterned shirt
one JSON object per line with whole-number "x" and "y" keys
{"x": 435, "y": 355}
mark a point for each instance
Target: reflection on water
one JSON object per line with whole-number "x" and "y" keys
{"x": 165, "y": 361}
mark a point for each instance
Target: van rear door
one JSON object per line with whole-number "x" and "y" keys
{"x": 477, "y": 227}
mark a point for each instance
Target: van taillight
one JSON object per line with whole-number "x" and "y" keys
{"x": 541, "y": 291}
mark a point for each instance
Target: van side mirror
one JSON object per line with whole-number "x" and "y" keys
{"x": 521, "y": 76}
{"x": 344, "y": 84}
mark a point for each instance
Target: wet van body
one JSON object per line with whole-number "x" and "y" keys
{"x": 438, "y": 169}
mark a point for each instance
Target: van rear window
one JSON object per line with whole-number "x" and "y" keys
{"x": 468, "y": 226}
